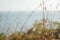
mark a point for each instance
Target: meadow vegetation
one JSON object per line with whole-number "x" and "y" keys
{"x": 37, "y": 32}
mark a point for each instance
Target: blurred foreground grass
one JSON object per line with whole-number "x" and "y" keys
{"x": 38, "y": 32}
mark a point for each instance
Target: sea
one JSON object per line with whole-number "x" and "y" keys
{"x": 11, "y": 21}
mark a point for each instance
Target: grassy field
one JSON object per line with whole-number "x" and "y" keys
{"x": 38, "y": 32}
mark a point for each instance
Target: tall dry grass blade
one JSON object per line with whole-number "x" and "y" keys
{"x": 29, "y": 17}
{"x": 9, "y": 26}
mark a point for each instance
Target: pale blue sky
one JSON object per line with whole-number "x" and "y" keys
{"x": 22, "y": 5}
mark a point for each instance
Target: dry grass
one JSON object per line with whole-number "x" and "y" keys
{"x": 38, "y": 34}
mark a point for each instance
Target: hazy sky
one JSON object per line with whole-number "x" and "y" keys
{"x": 21, "y": 5}
{"x": 26, "y": 5}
